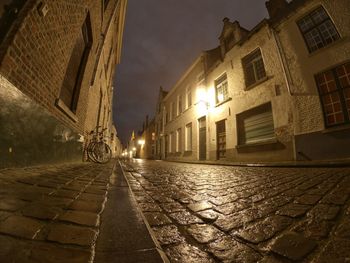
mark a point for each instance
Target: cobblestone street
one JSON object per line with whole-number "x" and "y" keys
{"x": 203, "y": 213}
{"x": 51, "y": 213}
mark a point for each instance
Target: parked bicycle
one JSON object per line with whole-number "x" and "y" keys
{"x": 98, "y": 150}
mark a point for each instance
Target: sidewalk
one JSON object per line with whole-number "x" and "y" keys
{"x": 52, "y": 213}
{"x": 319, "y": 163}
{"x": 124, "y": 237}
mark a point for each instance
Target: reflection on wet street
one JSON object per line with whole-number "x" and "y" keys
{"x": 210, "y": 213}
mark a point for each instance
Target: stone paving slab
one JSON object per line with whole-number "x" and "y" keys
{"x": 245, "y": 214}
{"x": 51, "y": 213}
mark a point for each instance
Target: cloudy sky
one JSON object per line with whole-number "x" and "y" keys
{"x": 161, "y": 39}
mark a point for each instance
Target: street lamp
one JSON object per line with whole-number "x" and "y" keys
{"x": 141, "y": 142}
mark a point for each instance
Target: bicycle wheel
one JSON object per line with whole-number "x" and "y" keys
{"x": 90, "y": 152}
{"x": 101, "y": 152}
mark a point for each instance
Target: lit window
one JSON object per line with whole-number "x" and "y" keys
{"x": 318, "y": 29}
{"x": 221, "y": 89}
{"x": 334, "y": 89}
{"x": 254, "y": 69}
{"x": 189, "y": 137}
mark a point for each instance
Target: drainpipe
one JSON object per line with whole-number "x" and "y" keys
{"x": 287, "y": 77}
{"x": 283, "y": 61}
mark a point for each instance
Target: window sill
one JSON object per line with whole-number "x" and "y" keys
{"x": 257, "y": 83}
{"x": 320, "y": 50}
{"x": 223, "y": 102}
{"x": 337, "y": 128}
{"x": 263, "y": 143}
{"x": 63, "y": 107}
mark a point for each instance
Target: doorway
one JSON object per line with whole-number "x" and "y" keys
{"x": 202, "y": 138}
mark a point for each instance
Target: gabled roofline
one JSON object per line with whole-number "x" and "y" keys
{"x": 187, "y": 72}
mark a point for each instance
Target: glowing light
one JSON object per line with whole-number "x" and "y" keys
{"x": 141, "y": 142}
{"x": 134, "y": 149}
{"x": 202, "y": 101}
{"x": 221, "y": 97}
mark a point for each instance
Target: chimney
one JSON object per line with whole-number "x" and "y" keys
{"x": 275, "y": 6}
{"x": 226, "y": 19}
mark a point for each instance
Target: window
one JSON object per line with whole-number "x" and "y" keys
{"x": 173, "y": 105}
{"x": 173, "y": 142}
{"x": 178, "y": 140}
{"x": 189, "y": 137}
{"x": 334, "y": 88}
{"x": 221, "y": 89}
{"x": 179, "y": 107}
{"x": 76, "y": 66}
{"x": 170, "y": 112}
{"x": 256, "y": 125}
{"x": 170, "y": 142}
{"x": 253, "y": 67}
{"x": 318, "y": 29}
{"x": 200, "y": 78}
{"x": 189, "y": 99}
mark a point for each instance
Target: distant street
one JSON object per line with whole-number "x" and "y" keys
{"x": 206, "y": 213}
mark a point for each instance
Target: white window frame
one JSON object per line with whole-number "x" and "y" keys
{"x": 178, "y": 140}
{"x": 188, "y": 137}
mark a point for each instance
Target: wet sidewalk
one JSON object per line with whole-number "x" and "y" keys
{"x": 55, "y": 213}
{"x": 124, "y": 237}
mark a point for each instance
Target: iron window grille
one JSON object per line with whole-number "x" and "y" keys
{"x": 254, "y": 69}
{"x": 318, "y": 29}
{"x": 334, "y": 89}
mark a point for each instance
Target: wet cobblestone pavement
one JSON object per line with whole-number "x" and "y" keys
{"x": 206, "y": 213}
{"x": 51, "y": 213}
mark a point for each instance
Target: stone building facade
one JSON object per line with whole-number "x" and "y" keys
{"x": 314, "y": 38}
{"x": 277, "y": 92}
{"x": 146, "y": 141}
{"x": 61, "y": 55}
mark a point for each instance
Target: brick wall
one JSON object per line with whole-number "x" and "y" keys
{"x": 37, "y": 49}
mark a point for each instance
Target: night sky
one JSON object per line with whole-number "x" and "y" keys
{"x": 161, "y": 39}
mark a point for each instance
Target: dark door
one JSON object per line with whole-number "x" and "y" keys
{"x": 166, "y": 146}
{"x": 221, "y": 139}
{"x": 202, "y": 139}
